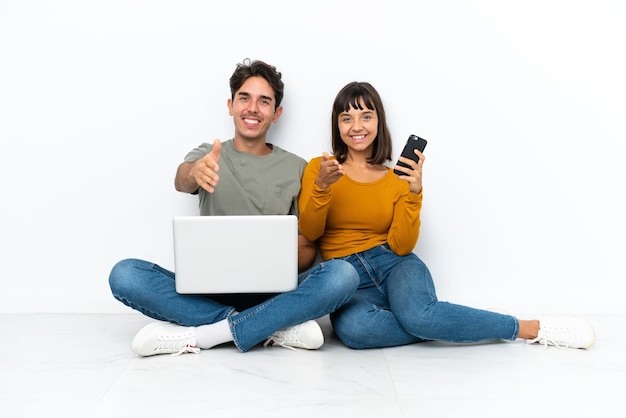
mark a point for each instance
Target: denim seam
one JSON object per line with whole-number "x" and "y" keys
{"x": 233, "y": 323}
{"x": 369, "y": 272}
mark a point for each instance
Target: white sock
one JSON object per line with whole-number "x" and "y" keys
{"x": 208, "y": 336}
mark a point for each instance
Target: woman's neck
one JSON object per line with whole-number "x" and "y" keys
{"x": 360, "y": 170}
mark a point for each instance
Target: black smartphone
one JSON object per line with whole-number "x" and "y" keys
{"x": 414, "y": 142}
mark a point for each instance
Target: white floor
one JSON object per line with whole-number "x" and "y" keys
{"x": 80, "y": 365}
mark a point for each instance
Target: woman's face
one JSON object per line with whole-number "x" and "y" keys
{"x": 358, "y": 128}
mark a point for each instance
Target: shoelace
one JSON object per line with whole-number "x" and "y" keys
{"x": 280, "y": 343}
{"x": 288, "y": 335}
{"x": 182, "y": 344}
{"x": 187, "y": 349}
{"x": 545, "y": 341}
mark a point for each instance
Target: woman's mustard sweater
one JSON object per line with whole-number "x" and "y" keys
{"x": 350, "y": 217}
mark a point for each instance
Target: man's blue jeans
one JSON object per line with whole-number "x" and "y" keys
{"x": 150, "y": 289}
{"x": 396, "y": 304}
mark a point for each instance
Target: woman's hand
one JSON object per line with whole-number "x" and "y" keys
{"x": 330, "y": 171}
{"x": 414, "y": 174}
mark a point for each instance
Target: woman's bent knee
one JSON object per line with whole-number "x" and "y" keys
{"x": 351, "y": 333}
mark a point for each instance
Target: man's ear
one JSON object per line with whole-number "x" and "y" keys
{"x": 229, "y": 103}
{"x": 277, "y": 113}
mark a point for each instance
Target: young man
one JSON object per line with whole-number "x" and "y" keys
{"x": 245, "y": 175}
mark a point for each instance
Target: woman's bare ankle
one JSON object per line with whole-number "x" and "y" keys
{"x": 528, "y": 329}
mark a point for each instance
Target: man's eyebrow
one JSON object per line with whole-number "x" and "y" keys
{"x": 245, "y": 93}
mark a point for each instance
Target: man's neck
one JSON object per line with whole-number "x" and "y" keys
{"x": 256, "y": 146}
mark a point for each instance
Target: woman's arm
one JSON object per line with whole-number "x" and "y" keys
{"x": 313, "y": 203}
{"x": 405, "y": 227}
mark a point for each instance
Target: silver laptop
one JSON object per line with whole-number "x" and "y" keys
{"x": 236, "y": 254}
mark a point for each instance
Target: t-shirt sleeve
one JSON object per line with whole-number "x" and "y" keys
{"x": 198, "y": 152}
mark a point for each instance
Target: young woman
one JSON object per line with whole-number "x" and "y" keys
{"x": 359, "y": 211}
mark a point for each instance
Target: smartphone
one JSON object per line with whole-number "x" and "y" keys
{"x": 414, "y": 142}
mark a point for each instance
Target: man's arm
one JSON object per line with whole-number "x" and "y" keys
{"x": 184, "y": 181}
{"x": 307, "y": 251}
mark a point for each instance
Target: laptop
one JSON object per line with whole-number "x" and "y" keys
{"x": 236, "y": 254}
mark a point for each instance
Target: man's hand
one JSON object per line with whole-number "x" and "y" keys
{"x": 204, "y": 171}
{"x": 200, "y": 173}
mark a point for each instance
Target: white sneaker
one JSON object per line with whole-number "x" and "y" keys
{"x": 565, "y": 332}
{"x": 306, "y": 335}
{"x": 164, "y": 338}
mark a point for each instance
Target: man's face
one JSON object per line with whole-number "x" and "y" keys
{"x": 253, "y": 110}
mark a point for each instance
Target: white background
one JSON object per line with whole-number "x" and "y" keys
{"x": 522, "y": 104}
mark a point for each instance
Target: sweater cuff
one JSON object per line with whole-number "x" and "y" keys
{"x": 318, "y": 191}
{"x": 416, "y": 198}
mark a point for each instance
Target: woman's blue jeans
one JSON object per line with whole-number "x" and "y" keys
{"x": 150, "y": 289}
{"x": 396, "y": 304}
